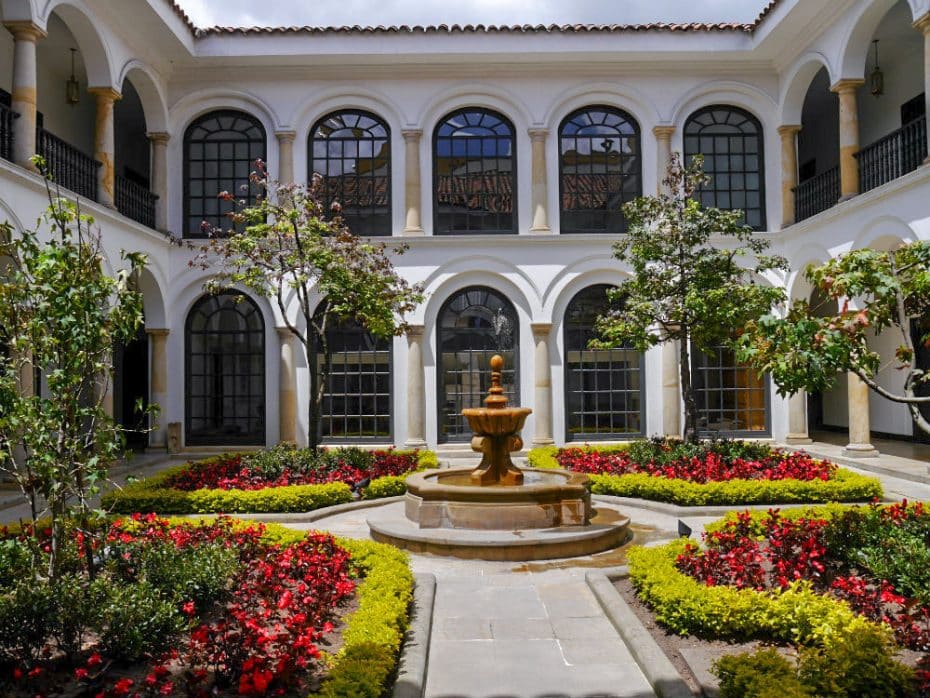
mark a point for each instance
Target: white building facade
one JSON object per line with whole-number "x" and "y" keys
{"x": 500, "y": 155}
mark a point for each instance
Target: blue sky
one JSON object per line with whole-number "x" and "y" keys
{"x": 371, "y": 12}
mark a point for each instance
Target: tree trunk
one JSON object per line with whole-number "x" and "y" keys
{"x": 313, "y": 408}
{"x": 687, "y": 391}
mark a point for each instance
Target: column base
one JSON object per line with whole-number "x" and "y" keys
{"x": 544, "y": 441}
{"x": 541, "y": 231}
{"x": 846, "y": 197}
{"x": 792, "y": 439}
{"x": 860, "y": 451}
{"x": 413, "y": 232}
{"x": 415, "y": 443}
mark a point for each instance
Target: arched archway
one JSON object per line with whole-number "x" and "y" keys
{"x": 225, "y": 371}
{"x": 473, "y": 324}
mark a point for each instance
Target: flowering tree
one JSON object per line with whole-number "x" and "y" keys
{"x": 293, "y": 248}
{"x": 804, "y": 351}
{"x": 691, "y": 280}
{"x": 61, "y": 314}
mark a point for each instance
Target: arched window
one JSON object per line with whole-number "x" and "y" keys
{"x": 730, "y": 139}
{"x": 474, "y": 173}
{"x": 220, "y": 149}
{"x": 357, "y": 391}
{"x": 603, "y": 387}
{"x": 473, "y": 325}
{"x": 731, "y": 397}
{"x": 225, "y": 367}
{"x": 351, "y": 149}
{"x": 600, "y": 169}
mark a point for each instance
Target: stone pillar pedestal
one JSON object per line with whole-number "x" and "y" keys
{"x": 860, "y": 437}
{"x": 287, "y": 388}
{"x": 923, "y": 26}
{"x": 416, "y": 394}
{"x": 789, "y": 171}
{"x": 540, "y": 182}
{"x": 849, "y": 137}
{"x": 542, "y": 381}
{"x": 797, "y": 419}
{"x": 412, "y": 187}
{"x": 159, "y": 150}
{"x": 285, "y": 156}
{"x": 663, "y": 136}
{"x": 671, "y": 390}
{"x": 23, "y": 98}
{"x": 158, "y": 382}
{"x": 104, "y": 146}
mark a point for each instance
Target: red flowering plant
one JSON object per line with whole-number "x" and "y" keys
{"x": 877, "y": 559}
{"x": 286, "y": 465}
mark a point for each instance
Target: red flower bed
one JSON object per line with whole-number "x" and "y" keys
{"x": 239, "y": 472}
{"x": 702, "y": 468}
{"x": 845, "y": 558}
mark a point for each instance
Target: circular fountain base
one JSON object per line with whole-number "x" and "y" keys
{"x": 548, "y": 516}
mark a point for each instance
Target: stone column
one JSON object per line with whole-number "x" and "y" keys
{"x": 23, "y": 101}
{"x": 412, "y": 187}
{"x": 159, "y": 150}
{"x": 789, "y": 171}
{"x": 285, "y": 156}
{"x": 849, "y": 136}
{"x": 663, "y": 136}
{"x": 542, "y": 380}
{"x": 797, "y": 419}
{"x": 860, "y": 436}
{"x": 540, "y": 184}
{"x": 923, "y": 26}
{"x": 158, "y": 382}
{"x": 671, "y": 390}
{"x": 104, "y": 144}
{"x": 287, "y": 388}
{"x": 416, "y": 394}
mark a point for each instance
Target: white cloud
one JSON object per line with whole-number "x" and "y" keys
{"x": 373, "y": 12}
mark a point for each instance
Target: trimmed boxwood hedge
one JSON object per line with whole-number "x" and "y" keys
{"x": 845, "y": 486}
{"x": 152, "y": 495}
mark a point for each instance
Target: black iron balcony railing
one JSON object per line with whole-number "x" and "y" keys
{"x": 68, "y": 166}
{"x": 7, "y": 116}
{"x": 894, "y": 155}
{"x": 816, "y": 194}
{"x": 135, "y": 201}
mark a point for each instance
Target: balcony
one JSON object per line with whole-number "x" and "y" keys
{"x": 816, "y": 194}
{"x": 68, "y": 166}
{"x": 7, "y": 116}
{"x": 135, "y": 201}
{"x": 893, "y": 156}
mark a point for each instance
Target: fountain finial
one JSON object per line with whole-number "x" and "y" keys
{"x": 496, "y": 400}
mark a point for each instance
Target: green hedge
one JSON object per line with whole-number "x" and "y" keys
{"x": 844, "y": 486}
{"x": 688, "y": 607}
{"x": 152, "y": 495}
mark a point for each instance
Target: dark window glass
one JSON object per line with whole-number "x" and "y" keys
{"x": 603, "y": 387}
{"x": 730, "y": 140}
{"x": 474, "y": 173}
{"x": 225, "y": 351}
{"x": 474, "y": 325}
{"x": 600, "y": 169}
{"x": 220, "y": 149}
{"x": 357, "y": 391}
{"x": 351, "y": 150}
{"x": 731, "y": 397}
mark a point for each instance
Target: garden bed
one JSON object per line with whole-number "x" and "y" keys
{"x": 710, "y": 473}
{"x": 282, "y": 479}
{"x": 207, "y": 608}
{"x": 847, "y": 586}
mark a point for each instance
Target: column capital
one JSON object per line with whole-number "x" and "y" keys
{"x": 25, "y": 30}
{"x": 922, "y": 24}
{"x": 106, "y": 93}
{"x": 538, "y": 133}
{"x": 284, "y": 333}
{"x": 157, "y": 331}
{"x": 788, "y": 129}
{"x": 158, "y": 137}
{"x": 847, "y": 85}
{"x": 285, "y": 136}
{"x": 541, "y": 329}
{"x": 663, "y": 132}
{"x": 411, "y": 134}
{"x": 414, "y": 332}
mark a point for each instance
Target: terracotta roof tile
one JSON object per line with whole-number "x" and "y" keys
{"x": 749, "y": 27}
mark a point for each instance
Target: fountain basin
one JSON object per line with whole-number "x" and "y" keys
{"x": 546, "y": 499}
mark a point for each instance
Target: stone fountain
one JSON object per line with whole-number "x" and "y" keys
{"x": 498, "y": 511}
